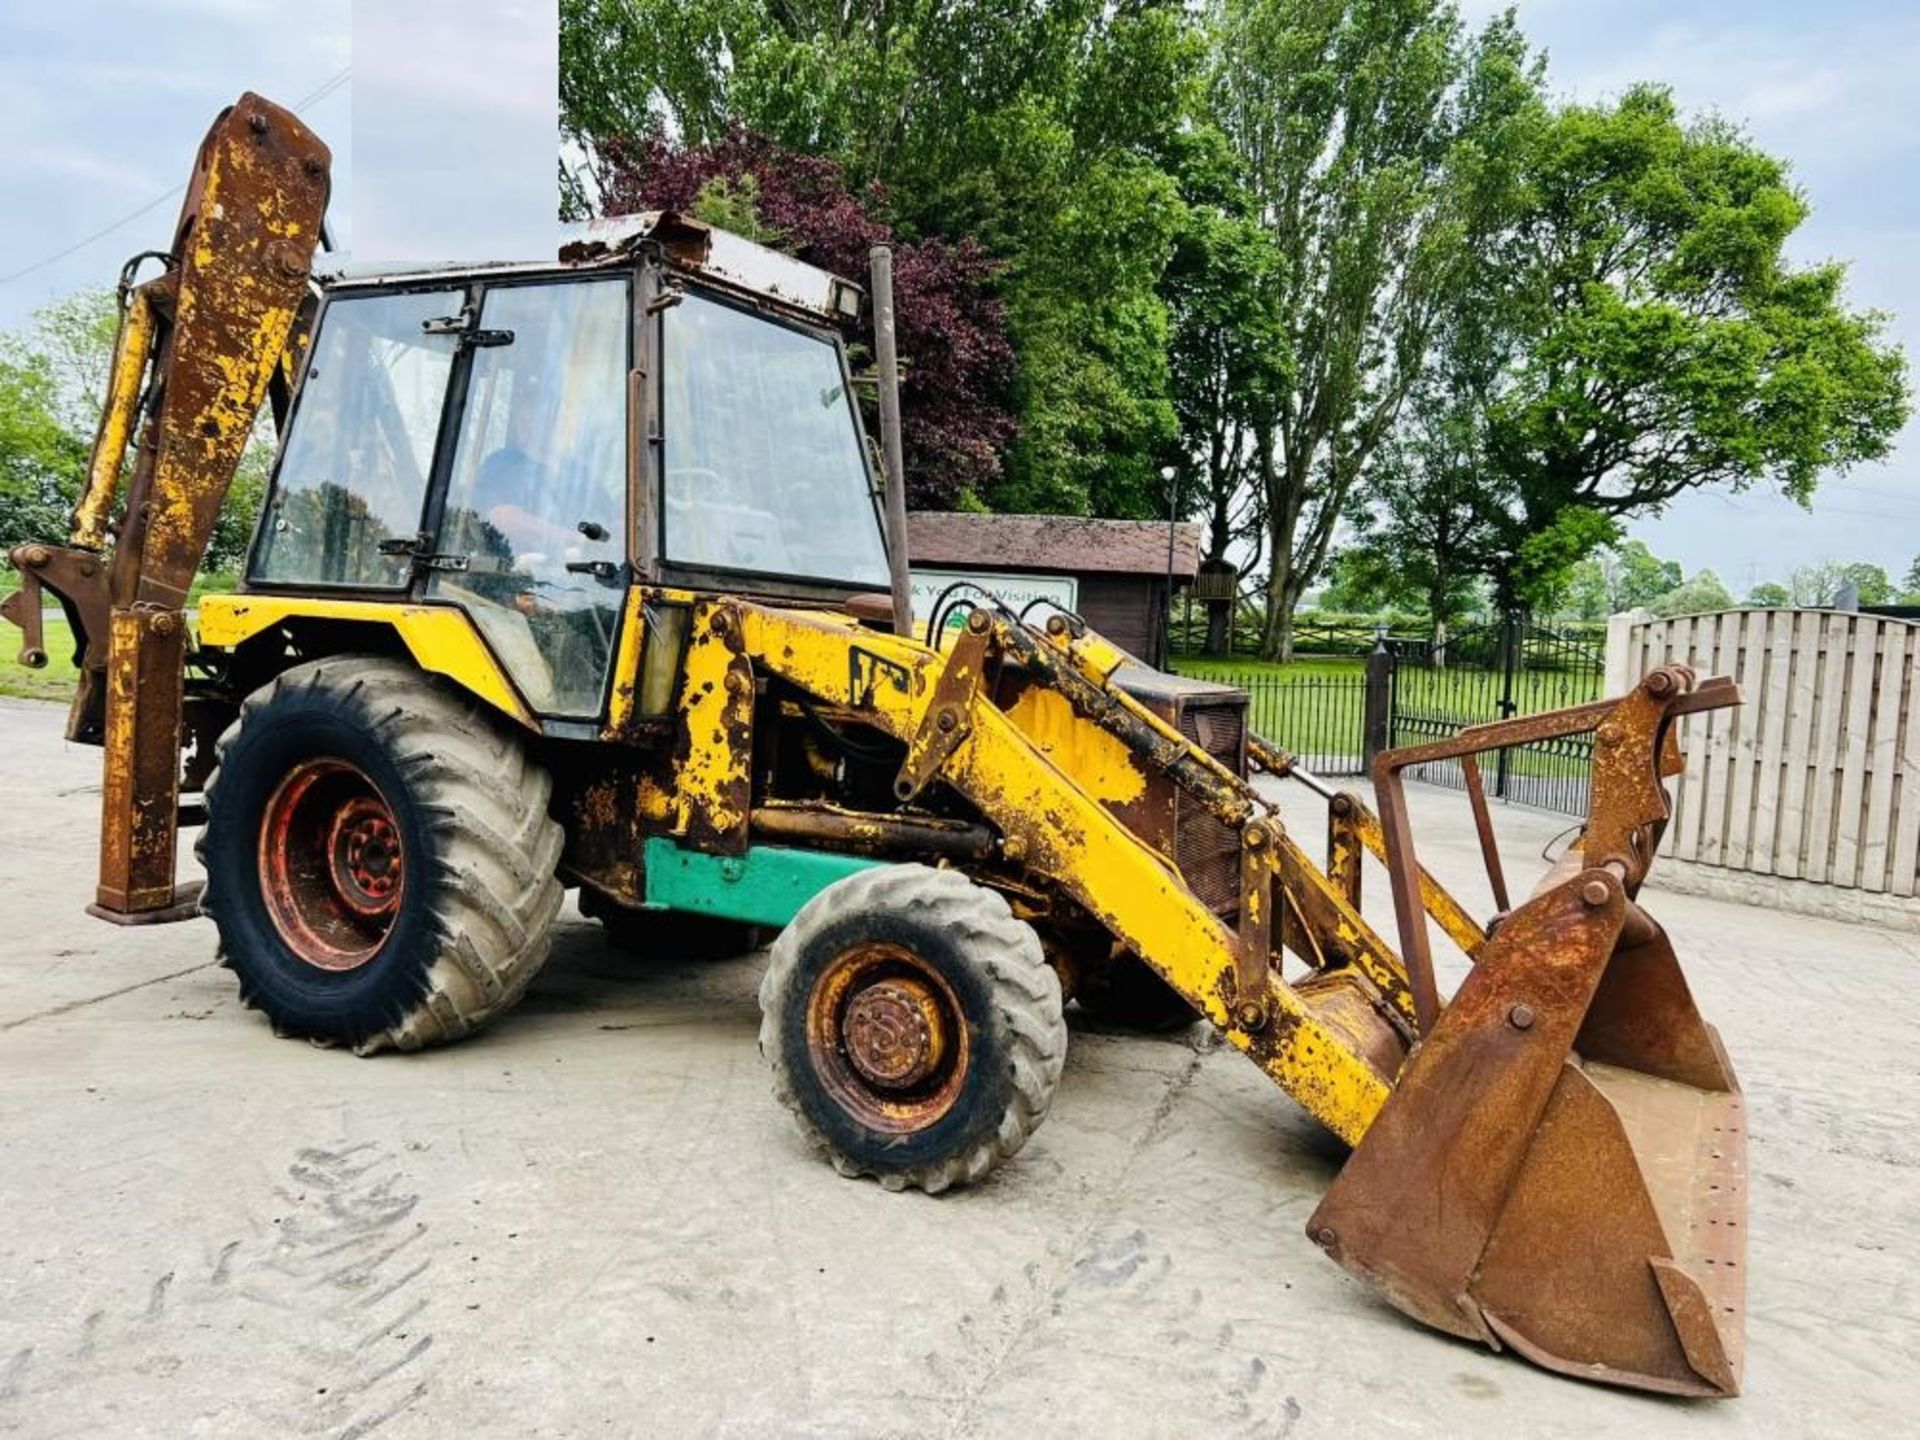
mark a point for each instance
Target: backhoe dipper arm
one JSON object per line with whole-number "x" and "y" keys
{"x": 197, "y": 349}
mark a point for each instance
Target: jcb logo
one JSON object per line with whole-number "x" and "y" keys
{"x": 866, "y": 672}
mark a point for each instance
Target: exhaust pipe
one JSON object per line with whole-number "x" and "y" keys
{"x": 896, "y": 473}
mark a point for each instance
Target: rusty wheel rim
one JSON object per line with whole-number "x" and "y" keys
{"x": 332, "y": 864}
{"x": 887, "y": 1038}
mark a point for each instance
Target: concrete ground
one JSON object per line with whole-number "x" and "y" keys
{"x": 595, "y": 1219}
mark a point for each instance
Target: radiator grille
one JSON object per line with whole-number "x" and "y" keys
{"x": 1207, "y": 851}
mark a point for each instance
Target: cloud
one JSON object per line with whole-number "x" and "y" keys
{"x": 1828, "y": 90}
{"x": 490, "y": 56}
{"x": 1831, "y": 90}
{"x": 456, "y": 127}
{"x": 250, "y": 12}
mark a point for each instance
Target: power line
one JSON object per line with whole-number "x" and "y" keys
{"x": 313, "y": 98}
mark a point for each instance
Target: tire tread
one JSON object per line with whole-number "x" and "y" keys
{"x": 486, "y": 801}
{"x": 1008, "y": 953}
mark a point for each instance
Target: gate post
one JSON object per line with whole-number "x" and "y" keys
{"x": 1377, "y": 724}
{"x": 1512, "y": 638}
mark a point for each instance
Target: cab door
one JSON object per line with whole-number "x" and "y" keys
{"x": 536, "y": 498}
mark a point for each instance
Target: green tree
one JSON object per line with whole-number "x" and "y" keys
{"x": 75, "y": 334}
{"x": 1910, "y": 585}
{"x": 1638, "y": 575}
{"x": 1587, "y": 591}
{"x": 1621, "y": 577}
{"x": 1046, "y": 133}
{"x": 1770, "y": 592}
{"x": 1870, "y": 581}
{"x": 1223, "y": 342}
{"x": 1696, "y": 596}
{"x": 1359, "y": 583}
{"x": 52, "y": 386}
{"x": 41, "y": 461}
{"x": 1821, "y": 584}
{"x": 1376, "y": 141}
{"x": 1660, "y": 341}
{"x": 1423, "y": 530}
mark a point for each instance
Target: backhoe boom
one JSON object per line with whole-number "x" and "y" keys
{"x": 196, "y": 350}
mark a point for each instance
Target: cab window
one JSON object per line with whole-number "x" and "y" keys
{"x": 354, "y": 467}
{"x": 762, "y": 458}
{"x": 536, "y": 499}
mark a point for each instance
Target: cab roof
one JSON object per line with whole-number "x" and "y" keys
{"x": 688, "y": 244}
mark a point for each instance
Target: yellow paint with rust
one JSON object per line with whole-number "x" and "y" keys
{"x": 821, "y": 653}
{"x": 1098, "y": 760}
{"x": 656, "y": 804}
{"x": 439, "y": 637}
{"x": 130, "y": 355}
{"x": 1098, "y": 656}
{"x": 626, "y": 664}
{"x": 1069, "y": 836}
{"x": 240, "y": 287}
{"x": 715, "y": 715}
{"x": 1331, "y": 923}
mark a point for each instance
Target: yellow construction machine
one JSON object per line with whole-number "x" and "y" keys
{"x": 581, "y": 574}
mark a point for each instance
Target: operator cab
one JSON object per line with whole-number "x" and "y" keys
{"x": 666, "y": 405}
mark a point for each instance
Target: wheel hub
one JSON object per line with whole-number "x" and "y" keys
{"x": 887, "y": 1037}
{"x": 332, "y": 864}
{"x": 365, "y": 848}
{"x": 895, "y": 1032}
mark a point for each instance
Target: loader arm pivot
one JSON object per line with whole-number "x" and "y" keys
{"x": 196, "y": 351}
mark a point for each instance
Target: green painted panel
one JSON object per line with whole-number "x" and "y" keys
{"x": 765, "y": 886}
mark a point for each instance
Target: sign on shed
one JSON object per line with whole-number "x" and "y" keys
{"x": 1017, "y": 590}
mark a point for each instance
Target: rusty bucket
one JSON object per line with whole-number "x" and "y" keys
{"x": 1561, "y": 1168}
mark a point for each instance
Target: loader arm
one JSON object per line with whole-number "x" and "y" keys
{"x": 1551, "y": 1161}
{"x": 197, "y": 349}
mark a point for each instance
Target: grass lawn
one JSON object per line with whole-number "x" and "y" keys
{"x": 1471, "y": 694}
{"x": 57, "y": 680}
{"x": 1315, "y": 706}
{"x": 53, "y": 683}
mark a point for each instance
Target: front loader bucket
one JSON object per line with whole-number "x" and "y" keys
{"x": 1561, "y": 1167}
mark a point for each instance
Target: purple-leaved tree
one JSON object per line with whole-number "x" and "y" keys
{"x": 957, "y": 363}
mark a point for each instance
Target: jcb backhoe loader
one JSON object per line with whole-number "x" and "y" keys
{"x": 575, "y": 574}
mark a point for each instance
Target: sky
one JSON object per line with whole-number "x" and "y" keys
{"x": 453, "y": 158}
{"x": 1834, "y": 89}
{"x": 102, "y": 103}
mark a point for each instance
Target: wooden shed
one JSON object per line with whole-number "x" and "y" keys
{"x": 1111, "y": 572}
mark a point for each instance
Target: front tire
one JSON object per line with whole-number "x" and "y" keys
{"x": 380, "y": 862}
{"x": 913, "y": 1025}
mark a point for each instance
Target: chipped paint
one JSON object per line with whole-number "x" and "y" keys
{"x": 440, "y": 638}
{"x": 132, "y": 350}
{"x": 713, "y": 737}
{"x": 1098, "y": 760}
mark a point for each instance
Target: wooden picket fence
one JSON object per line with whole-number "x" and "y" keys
{"x": 1814, "y": 777}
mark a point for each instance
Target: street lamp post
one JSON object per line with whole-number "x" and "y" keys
{"x": 1172, "y": 477}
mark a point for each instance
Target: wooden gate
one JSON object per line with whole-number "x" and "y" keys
{"x": 1812, "y": 778}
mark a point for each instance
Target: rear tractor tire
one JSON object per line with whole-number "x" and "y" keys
{"x": 380, "y": 862}
{"x": 913, "y": 1025}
